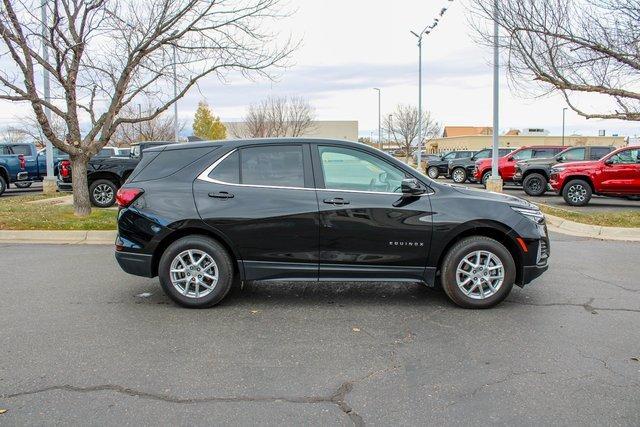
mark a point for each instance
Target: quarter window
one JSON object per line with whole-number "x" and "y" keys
{"x": 280, "y": 166}
{"x": 347, "y": 169}
{"x": 598, "y": 153}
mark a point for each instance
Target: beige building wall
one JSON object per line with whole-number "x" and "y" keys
{"x": 334, "y": 129}
{"x": 478, "y": 142}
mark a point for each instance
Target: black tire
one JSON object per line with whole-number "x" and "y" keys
{"x": 433, "y": 172}
{"x": 23, "y": 184}
{"x": 485, "y": 178}
{"x": 464, "y": 248}
{"x": 3, "y": 185}
{"x": 459, "y": 175}
{"x": 224, "y": 270}
{"x": 103, "y": 199}
{"x": 577, "y": 192}
{"x": 535, "y": 184}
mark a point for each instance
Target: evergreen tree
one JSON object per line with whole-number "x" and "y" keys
{"x": 206, "y": 125}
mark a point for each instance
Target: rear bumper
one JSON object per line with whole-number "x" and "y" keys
{"x": 136, "y": 264}
{"x": 22, "y": 176}
{"x": 64, "y": 186}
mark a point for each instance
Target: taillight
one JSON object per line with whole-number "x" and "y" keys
{"x": 23, "y": 161}
{"x": 126, "y": 196}
{"x": 65, "y": 168}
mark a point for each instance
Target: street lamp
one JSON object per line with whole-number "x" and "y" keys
{"x": 495, "y": 182}
{"x": 379, "y": 114}
{"x": 389, "y": 131}
{"x": 49, "y": 182}
{"x": 419, "y": 36}
{"x": 564, "y": 110}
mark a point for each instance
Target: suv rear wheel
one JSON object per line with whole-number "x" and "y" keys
{"x": 459, "y": 175}
{"x": 432, "y": 172}
{"x": 196, "y": 272}
{"x": 478, "y": 272}
{"x": 102, "y": 193}
{"x": 535, "y": 184}
{"x": 577, "y": 192}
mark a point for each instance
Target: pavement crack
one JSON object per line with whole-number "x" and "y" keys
{"x": 338, "y": 397}
{"x": 587, "y": 306}
{"x": 608, "y": 282}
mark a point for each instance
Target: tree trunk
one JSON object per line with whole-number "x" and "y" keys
{"x": 81, "y": 202}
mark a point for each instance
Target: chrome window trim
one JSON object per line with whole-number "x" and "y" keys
{"x": 204, "y": 176}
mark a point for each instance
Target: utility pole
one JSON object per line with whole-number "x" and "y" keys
{"x": 419, "y": 153}
{"x": 175, "y": 93}
{"x": 494, "y": 183}
{"x": 49, "y": 182}
{"x": 379, "y": 115}
{"x": 389, "y": 131}
{"x": 564, "y": 110}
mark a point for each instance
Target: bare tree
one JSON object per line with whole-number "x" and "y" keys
{"x": 277, "y": 117}
{"x": 403, "y": 125}
{"x": 584, "y": 49}
{"x": 160, "y": 128}
{"x": 14, "y": 134}
{"x": 106, "y": 54}
{"x": 30, "y": 126}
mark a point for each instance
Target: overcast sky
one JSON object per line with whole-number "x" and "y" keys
{"x": 350, "y": 46}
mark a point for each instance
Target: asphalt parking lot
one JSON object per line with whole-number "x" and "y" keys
{"x": 83, "y": 343}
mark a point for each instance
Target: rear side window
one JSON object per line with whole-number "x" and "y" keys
{"x": 4, "y": 149}
{"x": 21, "y": 149}
{"x": 156, "y": 165}
{"x": 280, "y": 166}
{"x": 598, "y": 153}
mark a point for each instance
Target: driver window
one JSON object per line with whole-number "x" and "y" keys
{"x": 348, "y": 169}
{"x": 523, "y": 155}
{"x": 574, "y": 154}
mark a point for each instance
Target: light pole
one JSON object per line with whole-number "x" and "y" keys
{"x": 49, "y": 183}
{"x": 495, "y": 182}
{"x": 419, "y": 36}
{"x": 389, "y": 131}
{"x": 175, "y": 91}
{"x": 564, "y": 110}
{"x": 379, "y": 115}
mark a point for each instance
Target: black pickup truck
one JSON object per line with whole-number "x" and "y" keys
{"x": 534, "y": 174}
{"x": 106, "y": 174}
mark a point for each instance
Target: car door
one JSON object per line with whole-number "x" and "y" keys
{"x": 621, "y": 173}
{"x": 261, "y": 198}
{"x": 367, "y": 229}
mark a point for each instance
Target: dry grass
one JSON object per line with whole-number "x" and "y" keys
{"x": 629, "y": 219}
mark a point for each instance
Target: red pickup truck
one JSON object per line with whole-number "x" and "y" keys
{"x": 617, "y": 175}
{"x": 507, "y": 164}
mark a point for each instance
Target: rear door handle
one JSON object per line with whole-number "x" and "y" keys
{"x": 336, "y": 201}
{"x": 221, "y": 195}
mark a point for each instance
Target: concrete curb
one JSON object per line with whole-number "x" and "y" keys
{"x": 59, "y": 237}
{"x": 564, "y": 226}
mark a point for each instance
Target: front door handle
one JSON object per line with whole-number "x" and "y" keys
{"x": 221, "y": 195}
{"x": 336, "y": 201}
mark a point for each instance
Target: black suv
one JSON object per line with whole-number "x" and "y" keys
{"x": 533, "y": 174}
{"x": 435, "y": 168}
{"x": 461, "y": 170}
{"x": 204, "y": 215}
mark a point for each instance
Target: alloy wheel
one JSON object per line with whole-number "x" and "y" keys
{"x": 103, "y": 194}
{"x": 577, "y": 193}
{"x": 194, "y": 273}
{"x": 480, "y": 274}
{"x": 459, "y": 176}
{"x": 432, "y": 172}
{"x": 535, "y": 185}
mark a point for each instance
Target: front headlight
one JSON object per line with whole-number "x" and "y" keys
{"x": 557, "y": 169}
{"x": 533, "y": 214}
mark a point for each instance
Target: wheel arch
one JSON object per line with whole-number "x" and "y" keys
{"x": 528, "y": 172}
{"x": 195, "y": 230}
{"x": 493, "y": 230}
{"x": 570, "y": 178}
{"x": 110, "y": 176}
{"x": 4, "y": 174}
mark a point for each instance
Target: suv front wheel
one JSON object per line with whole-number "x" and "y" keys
{"x": 577, "y": 192}
{"x": 478, "y": 272}
{"x": 535, "y": 184}
{"x": 102, "y": 193}
{"x": 433, "y": 172}
{"x": 459, "y": 175}
{"x": 196, "y": 272}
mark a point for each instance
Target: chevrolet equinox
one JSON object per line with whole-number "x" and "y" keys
{"x": 203, "y": 216}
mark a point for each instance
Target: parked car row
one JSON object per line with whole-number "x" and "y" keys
{"x": 576, "y": 173}
{"x": 21, "y": 164}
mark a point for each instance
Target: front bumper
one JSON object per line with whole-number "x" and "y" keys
{"x": 530, "y": 272}
{"x": 554, "y": 182}
{"x": 517, "y": 177}
{"x": 136, "y": 264}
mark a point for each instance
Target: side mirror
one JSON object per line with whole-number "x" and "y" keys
{"x": 608, "y": 162}
{"x": 411, "y": 187}
{"x": 510, "y": 159}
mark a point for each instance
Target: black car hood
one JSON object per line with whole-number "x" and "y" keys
{"x": 490, "y": 195}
